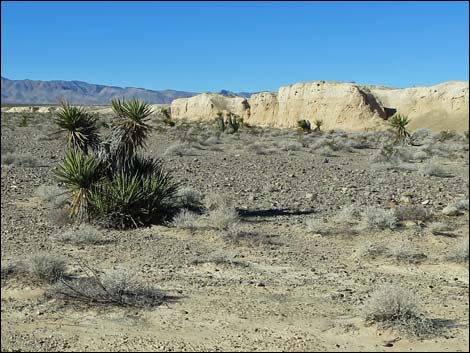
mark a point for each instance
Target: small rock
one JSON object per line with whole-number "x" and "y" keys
{"x": 451, "y": 211}
{"x": 425, "y": 202}
{"x": 309, "y": 196}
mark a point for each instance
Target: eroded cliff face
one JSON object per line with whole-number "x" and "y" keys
{"x": 439, "y": 107}
{"x": 206, "y": 106}
{"x": 339, "y": 105}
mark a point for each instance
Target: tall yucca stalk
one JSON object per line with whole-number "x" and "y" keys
{"x": 399, "y": 123}
{"x": 130, "y": 129}
{"x": 80, "y": 173}
{"x": 79, "y": 126}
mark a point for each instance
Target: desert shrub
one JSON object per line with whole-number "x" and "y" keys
{"x": 405, "y": 252}
{"x": 186, "y": 220}
{"x": 180, "y": 149}
{"x": 59, "y": 217}
{"x": 372, "y": 249}
{"x": 19, "y": 160}
{"x": 378, "y": 218}
{"x": 290, "y": 145}
{"x": 119, "y": 287}
{"x": 420, "y": 156}
{"x": 259, "y": 148}
{"x": 423, "y": 134}
{"x": 459, "y": 253}
{"x": 317, "y": 226}
{"x": 394, "y": 307}
{"x": 349, "y": 214}
{"x": 52, "y": 194}
{"x": 189, "y": 198}
{"x": 439, "y": 228}
{"x": 412, "y": 213}
{"x": 432, "y": 168}
{"x": 12, "y": 269}
{"x": 213, "y": 140}
{"x": 85, "y": 234}
{"x": 325, "y": 151}
{"x": 213, "y": 201}
{"x": 386, "y": 154}
{"x": 359, "y": 142}
{"x": 462, "y": 205}
{"x": 47, "y": 267}
{"x": 223, "y": 218}
{"x": 446, "y": 135}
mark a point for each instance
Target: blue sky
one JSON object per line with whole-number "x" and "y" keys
{"x": 240, "y": 46}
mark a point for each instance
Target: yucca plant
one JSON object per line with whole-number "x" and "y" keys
{"x": 318, "y": 124}
{"x": 399, "y": 123}
{"x": 80, "y": 173}
{"x": 114, "y": 184}
{"x": 130, "y": 129}
{"x": 220, "y": 121}
{"x": 304, "y": 125}
{"x": 131, "y": 200}
{"x": 79, "y": 126}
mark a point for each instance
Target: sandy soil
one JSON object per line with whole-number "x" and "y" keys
{"x": 288, "y": 290}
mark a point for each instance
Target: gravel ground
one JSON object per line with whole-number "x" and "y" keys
{"x": 281, "y": 286}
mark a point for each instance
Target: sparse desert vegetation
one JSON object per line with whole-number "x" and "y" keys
{"x": 280, "y": 238}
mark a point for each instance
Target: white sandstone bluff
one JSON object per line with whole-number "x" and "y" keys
{"x": 347, "y": 106}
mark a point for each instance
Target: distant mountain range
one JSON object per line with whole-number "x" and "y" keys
{"x": 78, "y": 92}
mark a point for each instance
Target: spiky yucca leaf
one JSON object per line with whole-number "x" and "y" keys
{"x": 399, "y": 123}
{"x": 80, "y": 173}
{"x": 79, "y": 126}
{"x": 318, "y": 124}
{"x": 130, "y": 130}
{"x": 131, "y": 200}
{"x": 304, "y": 125}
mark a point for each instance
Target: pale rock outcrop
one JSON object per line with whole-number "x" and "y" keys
{"x": 339, "y": 105}
{"x": 263, "y": 109}
{"x": 206, "y": 106}
{"x": 440, "y": 107}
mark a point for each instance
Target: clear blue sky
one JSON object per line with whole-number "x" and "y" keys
{"x": 244, "y": 46}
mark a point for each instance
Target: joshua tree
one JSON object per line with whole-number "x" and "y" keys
{"x": 399, "y": 123}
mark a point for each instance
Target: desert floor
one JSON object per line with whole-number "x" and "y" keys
{"x": 277, "y": 285}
